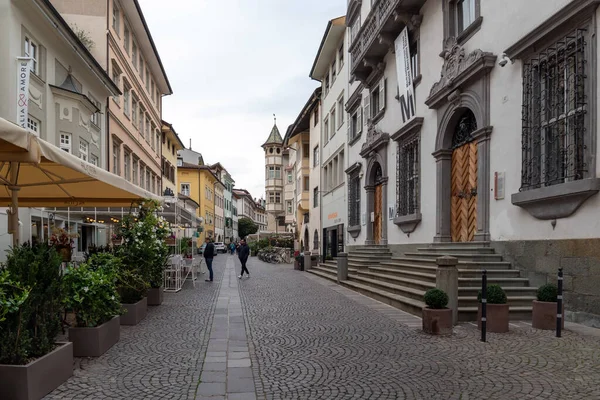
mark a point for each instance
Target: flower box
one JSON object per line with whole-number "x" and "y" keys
{"x": 38, "y": 378}
{"x": 543, "y": 315}
{"x": 155, "y": 296}
{"x": 496, "y": 318}
{"x": 134, "y": 312}
{"x": 93, "y": 342}
{"x": 437, "y": 321}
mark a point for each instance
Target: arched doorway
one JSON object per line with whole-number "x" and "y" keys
{"x": 463, "y": 209}
{"x": 378, "y": 205}
{"x": 376, "y": 187}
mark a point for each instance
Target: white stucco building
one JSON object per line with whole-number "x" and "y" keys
{"x": 66, "y": 99}
{"x": 331, "y": 69}
{"x": 502, "y": 145}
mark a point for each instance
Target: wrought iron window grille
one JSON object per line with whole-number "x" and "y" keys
{"x": 554, "y": 115}
{"x": 354, "y": 200}
{"x": 407, "y": 184}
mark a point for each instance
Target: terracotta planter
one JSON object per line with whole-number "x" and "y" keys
{"x": 38, "y": 378}
{"x": 544, "y": 315}
{"x": 155, "y": 296}
{"x": 497, "y": 318}
{"x": 437, "y": 322}
{"x": 93, "y": 342}
{"x": 134, "y": 312}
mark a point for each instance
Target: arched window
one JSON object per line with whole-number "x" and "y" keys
{"x": 316, "y": 240}
{"x": 463, "y": 132}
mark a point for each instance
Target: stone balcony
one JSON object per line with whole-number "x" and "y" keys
{"x": 378, "y": 33}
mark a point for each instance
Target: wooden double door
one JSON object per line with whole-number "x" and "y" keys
{"x": 464, "y": 193}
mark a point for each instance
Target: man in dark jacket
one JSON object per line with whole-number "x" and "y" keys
{"x": 243, "y": 253}
{"x": 209, "y": 253}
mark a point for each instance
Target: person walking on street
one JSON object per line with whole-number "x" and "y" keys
{"x": 243, "y": 253}
{"x": 209, "y": 253}
{"x": 232, "y": 247}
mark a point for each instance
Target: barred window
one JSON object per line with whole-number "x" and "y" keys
{"x": 407, "y": 189}
{"x": 555, "y": 113}
{"x": 354, "y": 200}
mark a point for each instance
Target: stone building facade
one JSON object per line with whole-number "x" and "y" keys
{"x": 479, "y": 125}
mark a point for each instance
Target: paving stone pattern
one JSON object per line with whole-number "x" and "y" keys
{"x": 160, "y": 358}
{"x": 307, "y": 341}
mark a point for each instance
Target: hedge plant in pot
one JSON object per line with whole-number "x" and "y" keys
{"x": 32, "y": 364}
{"x": 544, "y": 308}
{"x": 437, "y": 318}
{"x": 144, "y": 250}
{"x": 497, "y": 311}
{"x": 91, "y": 294}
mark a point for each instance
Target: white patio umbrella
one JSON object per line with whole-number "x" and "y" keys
{"x": 35, "y": 173}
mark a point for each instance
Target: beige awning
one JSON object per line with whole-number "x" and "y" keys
{"x": 35, "y": 173}
{"x": 51, "y": 177}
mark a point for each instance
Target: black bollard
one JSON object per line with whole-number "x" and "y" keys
{"x": 559, "y": 302}
{"x": 483, "y": 304}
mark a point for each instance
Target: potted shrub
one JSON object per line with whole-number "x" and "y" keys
{"x": 437, "y": 319}
{"x": 32, "y": 364}
{"x": 544, "y": 308}
{"x": 497, "y": 311}
{"x": 116, "y": 239}
{"x": 92, "y": 296}
{"x": 144, "y": 251}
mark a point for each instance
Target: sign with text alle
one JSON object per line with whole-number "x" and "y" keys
{"x": 405, "y": 77}
{"x": 23, "y": 91}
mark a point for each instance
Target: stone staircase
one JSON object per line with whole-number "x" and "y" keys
{"x": 403, "y": 281}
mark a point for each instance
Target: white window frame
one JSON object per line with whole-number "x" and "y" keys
{"x": 332, "y": 125}
{"x": 84, "y": 150}
{"x": 34, "y": 125}
{"x": 65, "y": 141}
{"x": 126, "y": 37}
{"x": 32, "y": 50}
{"x": 116, "y": 23}
{"x": 126, "y": 98}
{"x": 126, "y": 169}
{"x": 134, "y": 171}
{"x": 94, "y": 160}
{"x": 341, "y": 112}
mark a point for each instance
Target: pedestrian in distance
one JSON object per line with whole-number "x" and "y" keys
{"x": 243, "y": 254}
{"x": 209, "y": 253}
{"x": 232, "y": 248}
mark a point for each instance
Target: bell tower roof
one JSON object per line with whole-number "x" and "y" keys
{"x": 274, "y": 137}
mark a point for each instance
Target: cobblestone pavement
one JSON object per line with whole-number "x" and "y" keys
{"x": 160, "y": 358}
{"x": 307, "y": 341}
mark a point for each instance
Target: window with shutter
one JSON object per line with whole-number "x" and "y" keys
{"x": 367, "y": 109}
{"x": 382, "y": 94}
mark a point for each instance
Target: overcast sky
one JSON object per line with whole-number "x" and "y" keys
{"x": 232, "y": 65}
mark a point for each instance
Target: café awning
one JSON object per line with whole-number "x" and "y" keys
{"x": 35, "y": 173}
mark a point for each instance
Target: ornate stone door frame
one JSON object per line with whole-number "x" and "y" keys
{"x": 374, "y": 151}
{"x": 464, "y": 84}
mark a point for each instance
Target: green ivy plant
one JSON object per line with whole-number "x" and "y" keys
{"x": 91, "y": 294}
{"x": 144, "y": 251}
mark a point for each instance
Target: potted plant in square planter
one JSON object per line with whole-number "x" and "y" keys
{"x": 144, "y": 251}
{"x": 544, "y": 308}
{"x": 62, "y": 241}
{"x": 32, "y": 364}
{"x": 497, "y": 311}
{"x": 437, "y": 319}
{"x": 92, "y": 296}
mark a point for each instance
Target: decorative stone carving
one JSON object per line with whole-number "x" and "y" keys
{"x": 96, "y": 139}
{"x": 375, "y": 139}
{"x": 455, "y": 63}
{"x": 35, "y": 96}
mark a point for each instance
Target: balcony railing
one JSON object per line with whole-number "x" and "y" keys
{"x": 379, "y": 15}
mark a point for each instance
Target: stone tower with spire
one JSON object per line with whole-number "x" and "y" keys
{"x": 273, "y": 148}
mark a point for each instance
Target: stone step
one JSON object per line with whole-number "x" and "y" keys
{"x": 510, "y": 291}
{"x": 451, "y": 250}
{"x": 413, "y": 283}
{"x": 459, "y": 244}
{"x": 368, "y": 257}
{"x": 517, "y": 301}
{"x": 404, "y": 291}
{"x": 407, "y": 304}
{"x": 370, "y": 250}
{"x": 411, "y": 261}
{"x": 460, "y": 256}
{"x": 429, "y": 273}
{"x": 333, "y": 268}
{"x": 323, "y": 274}
{"x": 517, "y": 313}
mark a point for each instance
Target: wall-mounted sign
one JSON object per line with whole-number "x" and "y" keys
{"x": 332, "y": 215}
{"x": 23, "y": 91}
{"x": 391, "y": 212}
{"x": 499, "y": 184}
{"x": 405, "y": 81}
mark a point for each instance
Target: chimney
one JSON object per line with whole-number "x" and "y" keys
{"x": 190, "y": 143}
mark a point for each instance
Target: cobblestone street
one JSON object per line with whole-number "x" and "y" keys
{"x": 306, "y": 338}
